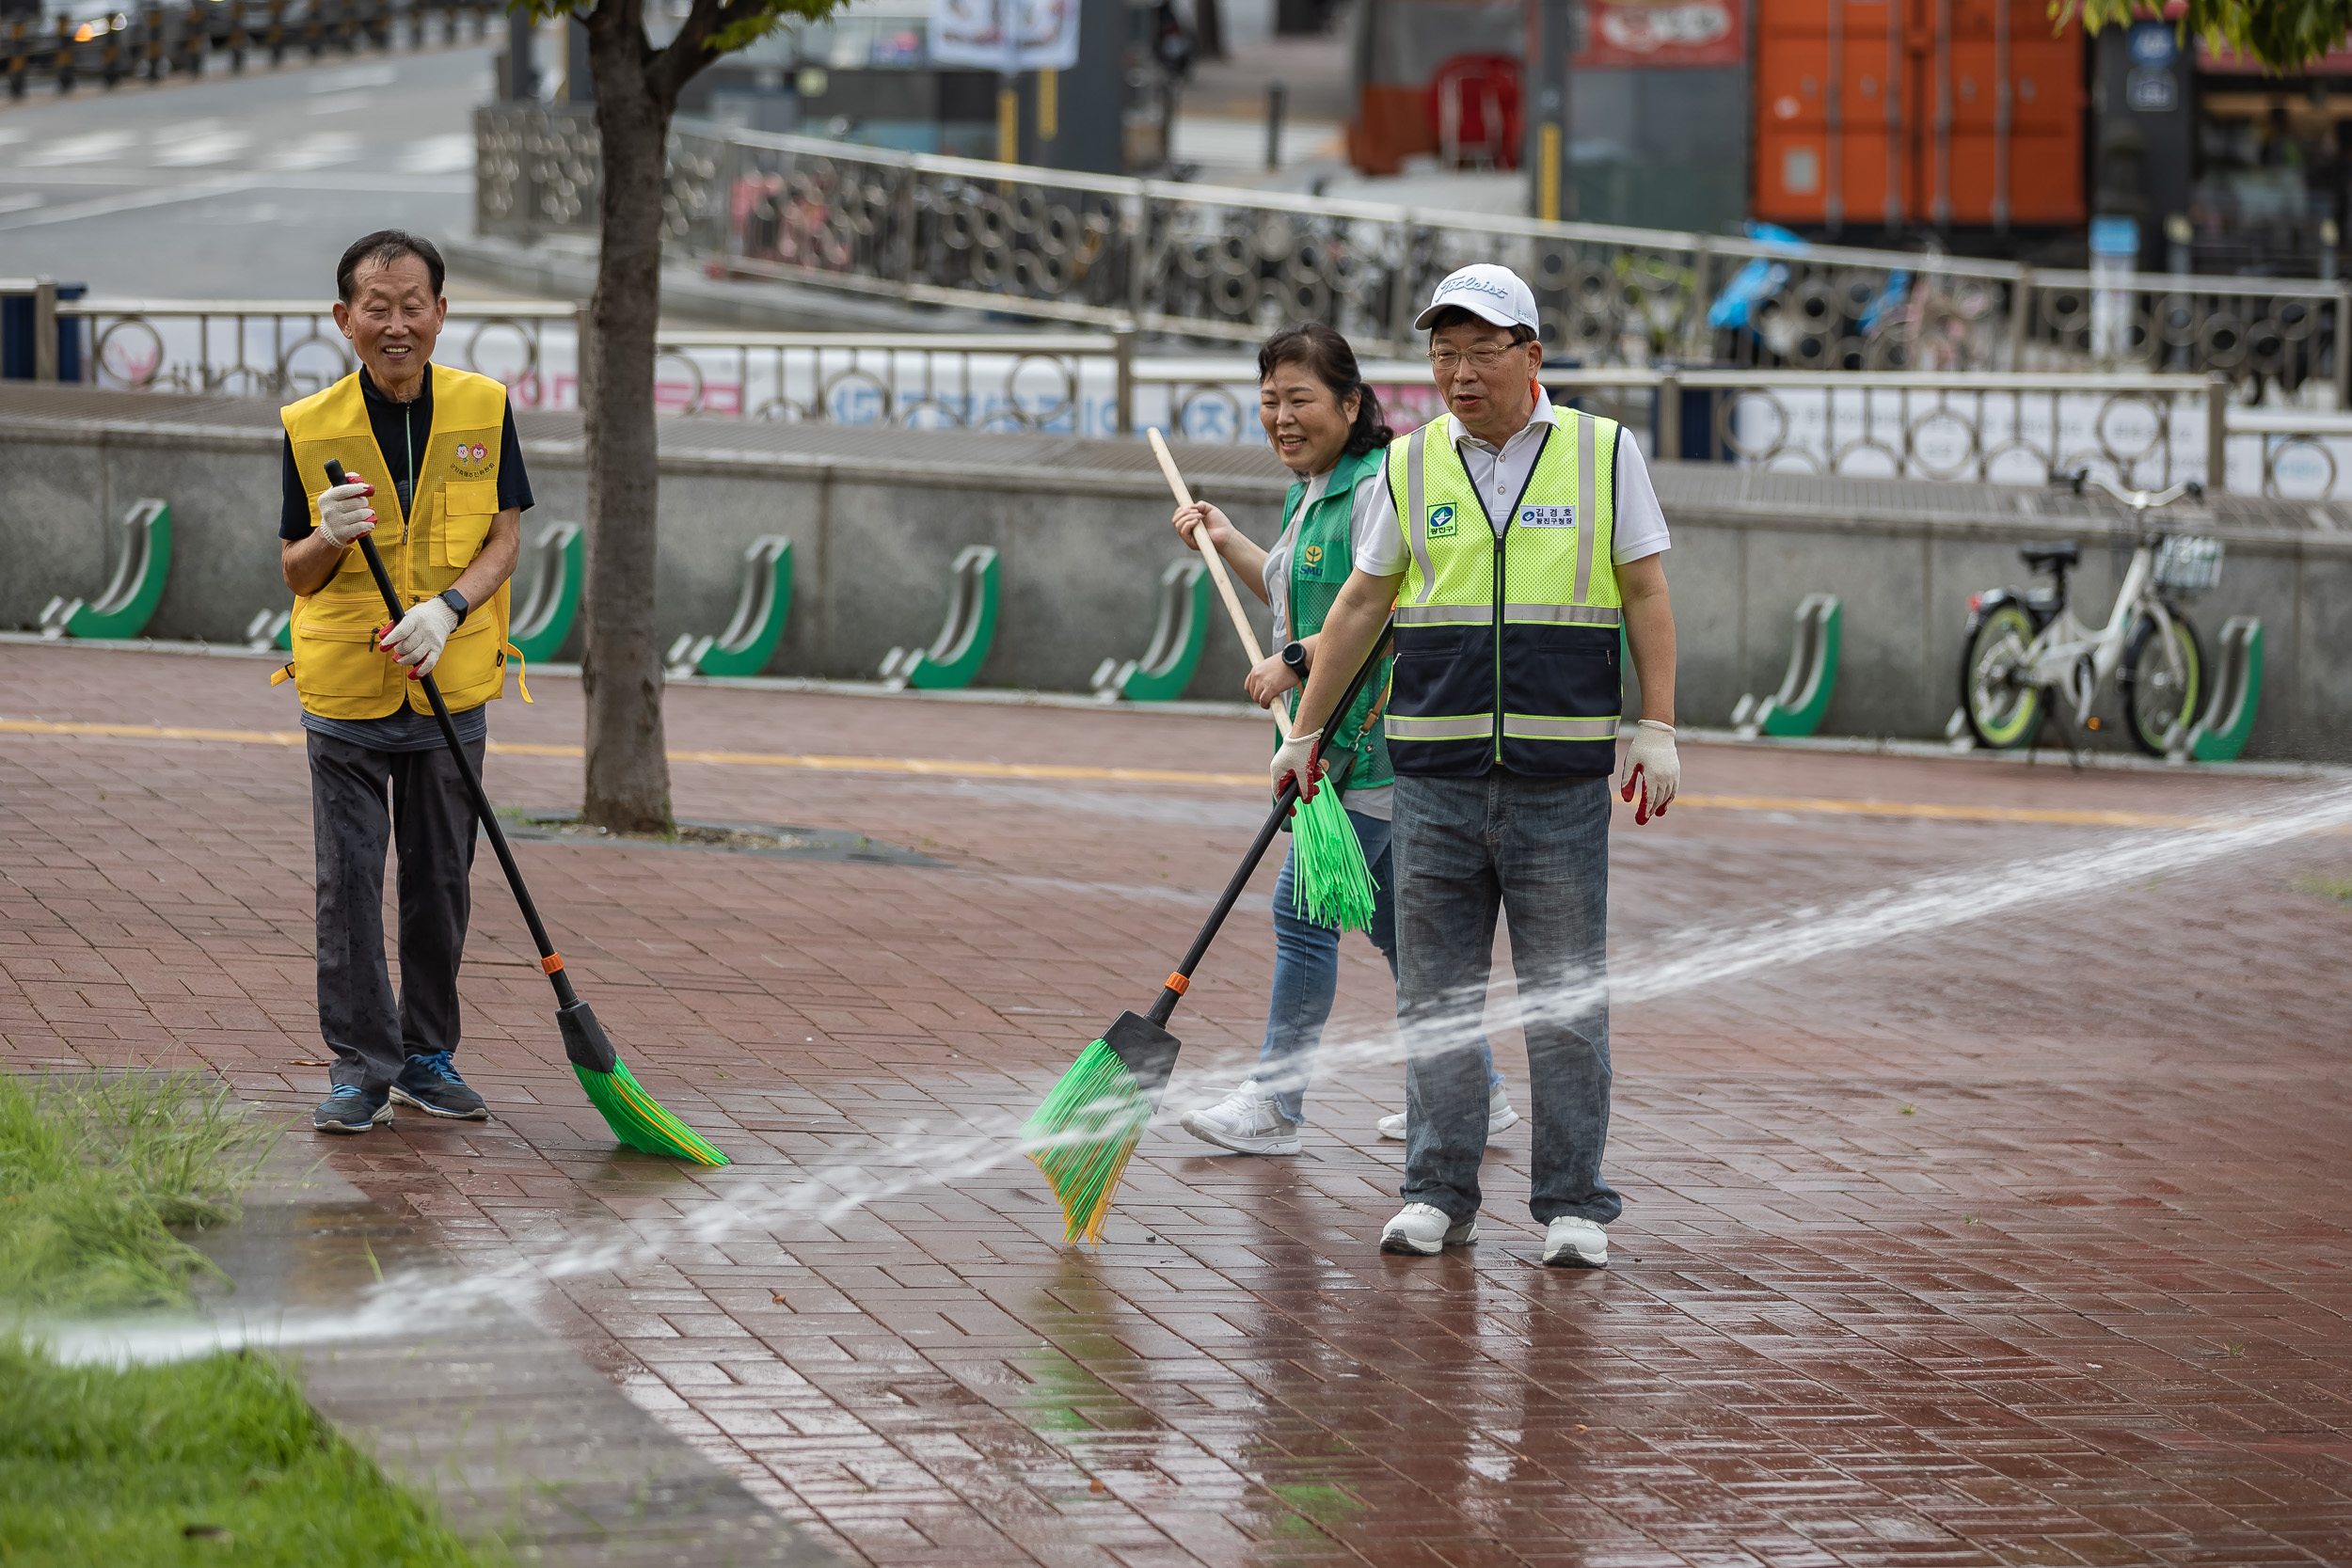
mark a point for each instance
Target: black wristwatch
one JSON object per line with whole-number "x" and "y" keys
{"x": 1295, "y": 654}
{"x": 456, "y": 601}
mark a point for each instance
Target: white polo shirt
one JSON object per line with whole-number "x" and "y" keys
{"x": 1638, "y": 528}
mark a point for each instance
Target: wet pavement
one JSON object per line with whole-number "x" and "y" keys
{"x": 2012, "y": 1239}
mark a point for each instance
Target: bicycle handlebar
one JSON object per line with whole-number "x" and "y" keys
{"x": 2138, "y": 501}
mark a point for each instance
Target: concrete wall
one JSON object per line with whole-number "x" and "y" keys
{"x": 1083, "y": 551}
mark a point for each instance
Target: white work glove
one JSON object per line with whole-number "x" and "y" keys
{"x": 344, "y": 513}
{"x": 416, "y": 642}
{"x": 1297, "y": 755}
{"x": 1650, "y": 766}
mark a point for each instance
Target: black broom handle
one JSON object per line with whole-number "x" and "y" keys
{"x": 1164, "y": 1007}
{"x": 482, "y": 813}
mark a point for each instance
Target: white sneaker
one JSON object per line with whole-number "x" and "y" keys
{"x": 1500, "y": 1116}
{"x": 1570, "y": 1243}
{"x": 1245, "y": 1122}
{"x": 1421, "y": 1228}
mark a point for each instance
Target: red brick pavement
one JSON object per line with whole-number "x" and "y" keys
{"x": 2017, "y": 1241}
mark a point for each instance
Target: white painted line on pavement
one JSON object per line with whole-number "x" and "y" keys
{"x": 103, "y": 206}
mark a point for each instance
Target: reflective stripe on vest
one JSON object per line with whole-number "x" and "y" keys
{"x": 1507, "y": 628}
{"x": 337, "y": 670}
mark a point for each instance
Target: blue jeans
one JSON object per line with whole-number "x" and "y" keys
{"x": 1307, "y": 974}
{"x": 1536, "y": 849}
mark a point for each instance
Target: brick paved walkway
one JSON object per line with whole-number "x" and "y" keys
{"x": 2017, "y": 1241}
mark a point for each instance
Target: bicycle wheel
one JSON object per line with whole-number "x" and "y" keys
{"x": 2158, "y": 698}
{"x": 2003, "y": 708}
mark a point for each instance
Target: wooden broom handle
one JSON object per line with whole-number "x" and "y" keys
{"x": 1217, "y": 569}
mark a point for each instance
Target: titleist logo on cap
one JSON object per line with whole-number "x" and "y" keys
{"x": 1473, "y": 286}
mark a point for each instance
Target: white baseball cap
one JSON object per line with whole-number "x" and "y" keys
{"x": 1495, "y": 294}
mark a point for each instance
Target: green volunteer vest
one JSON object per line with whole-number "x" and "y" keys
{"x": 1507, "y": 627}
{"x": 1319, "y": 568}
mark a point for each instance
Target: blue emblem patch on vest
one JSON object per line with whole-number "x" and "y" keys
{"x": 1441, "y": 522}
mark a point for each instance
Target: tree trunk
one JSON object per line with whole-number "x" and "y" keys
{"x": 628, "y": 770}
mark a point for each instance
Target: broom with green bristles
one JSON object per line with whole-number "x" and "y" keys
{"x": 1330, "y": 884}
{"x": 635, "y": 1117}
{"x": 1090, "y": 1123}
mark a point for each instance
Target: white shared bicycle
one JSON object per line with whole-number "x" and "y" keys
{"x": 2026, "y": 656}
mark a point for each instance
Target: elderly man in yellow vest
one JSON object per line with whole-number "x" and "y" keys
{"x": 1511, "y": 541}
{"x": 436, "y": 448}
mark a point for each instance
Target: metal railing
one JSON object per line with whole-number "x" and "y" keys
{"x": 1986, "y": 426}
{"x": 152, "y": 42}
{"x": 1217, "y": 264}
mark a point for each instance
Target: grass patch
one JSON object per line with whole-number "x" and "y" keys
{"x": 217, "y": 1460}
{"x": 95, "y": 1171}
{"x": 2337, "y": 888}
{"x": 201, "y": 1461}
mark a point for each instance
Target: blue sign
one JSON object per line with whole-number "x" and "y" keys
{"x": 2114, "y": 236}
{"x": 2152, "y": 44}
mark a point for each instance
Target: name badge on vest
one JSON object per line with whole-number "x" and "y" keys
{"x": 1546, "y": 517}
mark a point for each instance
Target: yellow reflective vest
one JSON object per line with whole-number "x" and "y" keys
{"x": 337, "y": 667}
{"x": 1507, "y": 628}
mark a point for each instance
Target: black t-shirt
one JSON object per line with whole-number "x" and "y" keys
{"x": 403, "y": 431}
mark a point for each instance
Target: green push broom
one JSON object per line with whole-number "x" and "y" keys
{"x": 1330, "y": 884}
{"x": 1090, "y": 1123}
{"x": 635, "y": 1117}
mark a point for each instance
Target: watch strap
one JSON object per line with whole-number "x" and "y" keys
{"x": 456, "y": 601}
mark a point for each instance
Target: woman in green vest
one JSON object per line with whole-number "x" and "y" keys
{"x": 1325, "y": 424}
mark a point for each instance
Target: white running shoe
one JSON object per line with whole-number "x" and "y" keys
{"x": 1421, "y": 1228}
{"x": 1245, "y": 1122}
{"x": 1500, "y": 1116}
{"x": 1570, "y": 1243}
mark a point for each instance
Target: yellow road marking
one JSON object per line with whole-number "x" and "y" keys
{"x": 947, "y": 767}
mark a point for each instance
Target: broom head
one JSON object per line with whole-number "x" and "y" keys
{"x": 635, "y": 1117}
{"x": 1330, "y": 884}
{"x": 1089, "y": 1125}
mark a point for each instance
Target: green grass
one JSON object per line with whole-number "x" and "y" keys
{"x": 216, "y": 1461}
{"x": 212, "y": 1460}
{"x": 94, "y": 1170}
{"x": 2337, "y": 888}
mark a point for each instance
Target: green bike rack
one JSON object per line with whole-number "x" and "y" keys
{"x": 761, "y": 611}
{"x": 2220, "y": 734}
{"x": 1166, "y": 668}
{"x": 129, "y": 601}
{"x": 962, "y": 644}
{"x": 539, "y": 628}
{"x": 271, "y": 629}
{"x": 1797, "y": 708}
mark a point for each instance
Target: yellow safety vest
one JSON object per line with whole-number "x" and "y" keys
{"x": 1507, "y": 628}
{"x": 337, "y": 667}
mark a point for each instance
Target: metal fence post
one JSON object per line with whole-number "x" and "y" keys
{"x": 1123, "y": 399}
{"x": 2216, "y": 434}
{"x": 1669, "y": 417}
{"x": 2020, "y": 317}
{"x": 2344, "y": 348}
{"x": 46, "y": 330}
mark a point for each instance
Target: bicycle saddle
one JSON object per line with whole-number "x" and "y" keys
{"x": 2041, "y": 557}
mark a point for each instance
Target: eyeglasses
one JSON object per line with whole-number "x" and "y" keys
{"x": 1485, "y": 357}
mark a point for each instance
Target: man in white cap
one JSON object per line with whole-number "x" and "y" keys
{"x": 1512, "y": 541}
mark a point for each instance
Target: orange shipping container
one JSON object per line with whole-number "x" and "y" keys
{"x": 1902, "y": 113}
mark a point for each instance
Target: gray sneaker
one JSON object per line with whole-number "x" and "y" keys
{"x": 1570, "y": 1243}
{"x": 350, "y": 1110}
{"x": 432, "y": 1086}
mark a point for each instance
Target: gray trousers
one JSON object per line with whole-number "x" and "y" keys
{"x": 430, "y": 817}
{"x": 1537, "y": 851}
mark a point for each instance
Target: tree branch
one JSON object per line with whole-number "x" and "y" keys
{"x": 668, "y": 70}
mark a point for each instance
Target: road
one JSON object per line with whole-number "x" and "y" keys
{"x": 240, "y": 187}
